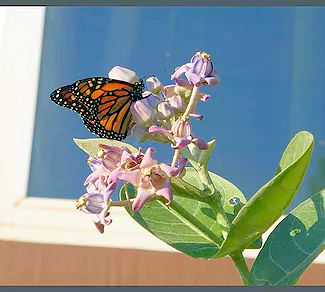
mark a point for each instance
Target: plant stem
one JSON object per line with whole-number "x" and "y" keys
{"x": 242, "y": 269}
{"x": 192, "y": 102}
{"x": 189, "y": 108}
{"x": 176, "y": 157}
{"x": 122, "y": 203}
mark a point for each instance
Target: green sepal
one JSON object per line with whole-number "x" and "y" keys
{"x": 91, "y": 147}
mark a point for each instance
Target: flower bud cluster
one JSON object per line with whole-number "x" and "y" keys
{"x": 160, "y": 116}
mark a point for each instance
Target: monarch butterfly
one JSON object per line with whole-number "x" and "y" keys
{"x": 103, "y": 104}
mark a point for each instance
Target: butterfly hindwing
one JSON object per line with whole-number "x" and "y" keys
{"x": 104, "y": 104}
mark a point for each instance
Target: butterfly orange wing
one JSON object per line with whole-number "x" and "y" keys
{"x": 104, "y": 104}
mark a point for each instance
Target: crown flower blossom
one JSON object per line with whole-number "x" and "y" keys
{"x": 149, "y": 177}
{"x": 97, "y": 205}
{"x": 151, "y": 180}
{"x": 199, "y": 71}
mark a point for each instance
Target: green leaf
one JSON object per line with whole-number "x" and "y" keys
{"x": 269, "y": 203}
{"x": 91, "y": 147}
{"x": 293, "y": 245}
{"x": 188, "y": 224}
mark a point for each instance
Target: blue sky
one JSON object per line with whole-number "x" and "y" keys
{"x": 271, "y": 64}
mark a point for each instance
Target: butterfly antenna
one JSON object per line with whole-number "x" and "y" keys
{"x": 148, "y": 76}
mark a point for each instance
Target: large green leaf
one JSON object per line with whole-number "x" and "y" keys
{"x": 188, "y": 224}
{"x": 293, "y": 245}
{"x": 91, "y": 147}
{"x": 270, "y": 202}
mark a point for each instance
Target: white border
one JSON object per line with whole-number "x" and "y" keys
{"x": 21, "y": 33}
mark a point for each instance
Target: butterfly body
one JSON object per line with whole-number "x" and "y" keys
{"x": 103, "y": 104}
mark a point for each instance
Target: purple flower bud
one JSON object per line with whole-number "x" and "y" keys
{"x": 144, "y": 111}
{"x": 154, "y": 85}
{"x": 140, "y": 132}
{"x": 177, "y": 102}
{"x": 181, "y": 128}
{"x": 202, "y": 64}
{"x": 200, "y": 143}
{"x": 198, "y": 72}
{"x": 124, "y": 74}
{"x": 93, "y": 203}
{"x": 159, "y": 130}
{"x": 165, "y": 110}
{"x": 196, "y": 116}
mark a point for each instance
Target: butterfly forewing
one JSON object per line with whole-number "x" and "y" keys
{"x": 104, "y": 104}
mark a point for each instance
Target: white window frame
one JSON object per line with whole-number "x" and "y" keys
{"x": 43, "y": 220}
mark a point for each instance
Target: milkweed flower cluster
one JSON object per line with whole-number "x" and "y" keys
{"x": 113, "y": 164}
{"x": 163, "y": 115}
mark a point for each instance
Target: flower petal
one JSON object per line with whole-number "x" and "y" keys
{"x": 166, "y": 192}
{"x": 109, "y": 163}
{"x": 193, "y": 78}
{"x": 140, "y": 132}
{"x": 200, "y": 143}
{"x": 181, "y": 165}
{"x": 113, "y": 177}
{"x": 143, "y": 196}
{"x": 148, "y": 160}
{"x": 94, "y": 163}
{"x": 181, "y": 142}
{"x": 110, "y": 148}
{"x": 99, "y": 226}
{"x": 169, "y": 91}
{"x": 181, "y": 70}
{"x": 205, "y": 97}
{"x": 154, "y": 85}
{"x": 108, "y": 192}
{"x": 177, "y": 102}
{"x": 91, "y": 178}
{"x": 124, "y": 74}
{"x": 159, "y": 130}
{"x": 165, "y": 110}
{"x": 169, "y": 170}
{"x": 133, "y": 177}
{"x": 196, "y": 116}
{"x": 127, "y": 157}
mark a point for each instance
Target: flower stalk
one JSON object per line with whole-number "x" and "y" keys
{"x": 191, "y": 105}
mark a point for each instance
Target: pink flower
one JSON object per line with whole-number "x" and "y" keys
{"x": 96, "y": 204}
{"x": 103, "y": 180}
{"x": 150, "y": 179}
